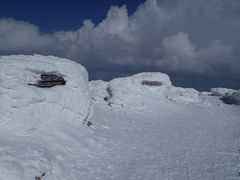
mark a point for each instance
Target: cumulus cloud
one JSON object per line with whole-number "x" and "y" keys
{"x": 188, "y": 38}
{"x": 19, "y": 36}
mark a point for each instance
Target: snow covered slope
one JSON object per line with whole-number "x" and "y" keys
{"x": 169, "y": 141}
{"x": 142, "y": 127}
{"x": 164, "y": 132}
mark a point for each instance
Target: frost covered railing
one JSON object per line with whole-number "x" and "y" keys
{"x": 49, "y": 80}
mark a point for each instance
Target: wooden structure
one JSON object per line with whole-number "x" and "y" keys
{"x": 49, "y": 80}
{"x": 151, "y": 83}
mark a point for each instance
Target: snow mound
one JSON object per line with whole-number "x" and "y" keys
{"x": 25, "y": 107}
{"x": 179, "y": 95}
{"x": 221, "y": 91}
{"x": 229, "y": 96}
{"x": 232, "y": 98}
{"x": 40, "y": 126}
{"x": 140, "y": 89}
{"x": 236, "y": 96}
{"x": 130, "y": 90}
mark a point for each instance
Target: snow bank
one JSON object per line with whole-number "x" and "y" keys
{"x": 221, "y": 91}
{"x": 139, "y": 89}
{"x": 229, "y": 96}
{"x": 232, "y": 98}
{"x": 37, "y": 124}
{"x": 236, "y": 96}
{"x": 180, "y": 95}
{"x": 129, "y": 90}
{"x": 42, "y": 134}
{"x": 21, "y": 101}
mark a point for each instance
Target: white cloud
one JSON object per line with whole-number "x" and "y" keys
{"x": 22, "y": 36}
{"x": 183, "y": 57}
{"x": 187, "y": 37}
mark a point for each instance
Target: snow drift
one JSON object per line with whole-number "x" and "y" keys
{"x": 134, "y": 90}
{"x": 21, "y": 102}
{"x": 221, "y": 91}
{"x": 34, "y": 121}
{"x": 142, "y": 126}
{"x": 164, "y": 132}
{"x": 99, "y": 90}
{"x": 130, "y": 91}
{"x": 229, "y": 96}
{"x": 236, "y": 96}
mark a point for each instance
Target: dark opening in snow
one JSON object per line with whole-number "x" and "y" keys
{"x": 49, "y": 80}
{"x": 89, "y": 123}
{"x": 39, "y": 177}
{"x": 109, "y": 91}
{"x": 151, "y": 83}
{"x": 229, "y": 100}
{"x": 110, "y": 95}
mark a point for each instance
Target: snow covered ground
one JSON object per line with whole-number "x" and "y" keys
{"x": 230, "y": 96}
{"x": 137, "y": 132}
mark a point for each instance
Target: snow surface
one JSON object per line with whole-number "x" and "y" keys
{"x": 36, "y": 120}
{"x": 99, "y": 90}
{"x": 130, "y": 91}
{"x": 222, "y": 91}
{"x": 236, "y": 96}
{"x": 230, "y": 94}
{"x": 140, "y": 132}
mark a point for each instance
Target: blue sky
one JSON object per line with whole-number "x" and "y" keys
{"x": 188, "y": 39}
{"x": 55, "y": 15}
